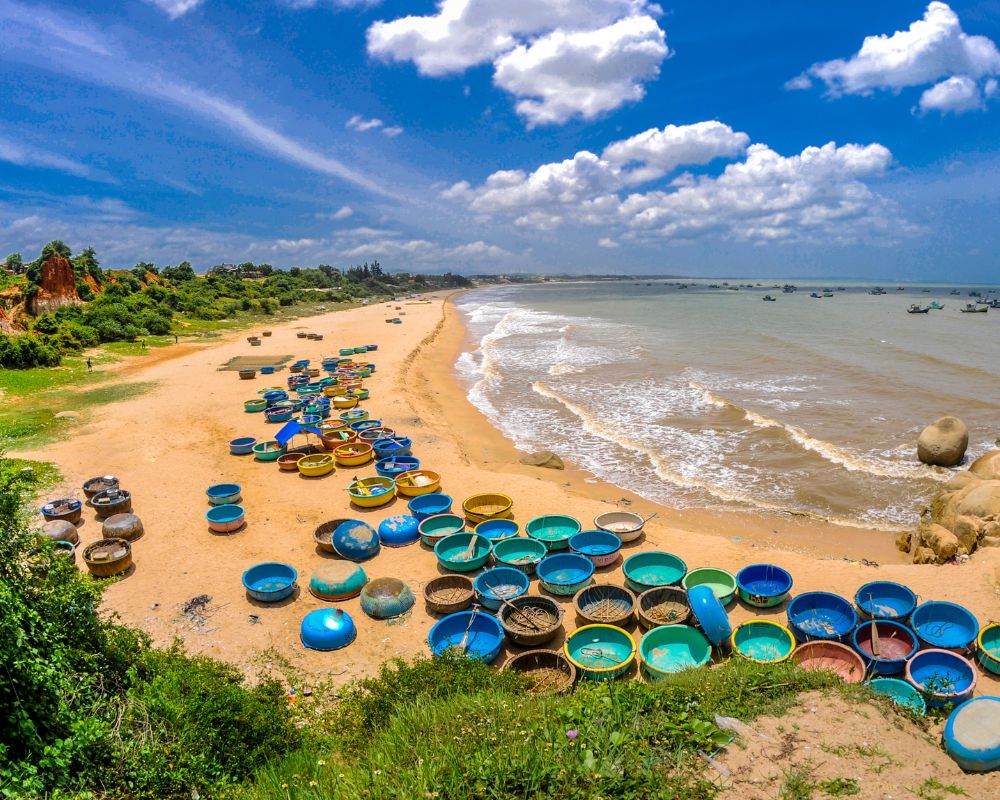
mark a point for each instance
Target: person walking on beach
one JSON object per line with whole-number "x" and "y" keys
{"x": 90, "y": 365}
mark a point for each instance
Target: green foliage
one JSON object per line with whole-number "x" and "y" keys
{"x": 24, "y": 352}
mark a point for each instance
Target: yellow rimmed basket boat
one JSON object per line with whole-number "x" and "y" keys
{"x": 481, "y": 507}
{"x": 333, "y": 390}
{"x": 361, "y": 394}
{"x": 353, "y": 455}
{"x": 315, "y": 465}
{"x": 417, "y": 482}
{"x": 344, "y": 400}
{"x": 372, "y": 492}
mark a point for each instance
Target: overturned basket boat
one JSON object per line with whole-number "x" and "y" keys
{"x": 449, "y": 594}
{"x": 417, "y": 482}
{"x": 323, "y": 534}
{"x": 108, "y": 557}
{"x": 481, "y": 507}
{"x": 549, "y": 672}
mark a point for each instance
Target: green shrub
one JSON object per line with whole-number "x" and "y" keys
{"x": 24, "y": 351}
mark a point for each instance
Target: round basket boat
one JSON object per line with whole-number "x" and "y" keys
{"x": 221, "y": 494}
{"x": 900, "y": 693}
{"x": 449, "y": 594}
{"x": 327, "y": 629}
{"x": 885, "y": 600}
{"x": 972, "y": 734}
{"x": 372, "y": 492}
{"x": 255, "y": 406}
{"x": 353, "y": 455}
{"x": 520, "y": 552}
{"x": 102, "y": 483}
{"x": 278, "y": 414}
{"x": 943, "y": 677}
{"x": 600, "y": 652}
{"x": 947, "y": 626}
{"x": 66, "y": 509}
{"x": 433, "y": 529}
{"x": 65, "y": 549}
{"x": 554, "y": 530}
{"x": 393, "y": 446}
{"x": 496, "y": 530}
{"x": 429, "y": 505}
{"x": 417, "y": 482}
{"x": 122, "y": 526}
{"x": 337, "y": 580}
{"x": 323, "y": 535}
{"x": 673, "y": 648}
{"x": 833, "y": 657}
{"x": 481, "y": 507}
{"x": 386, "y": 598}
{"x": 499, "y": 584}
{"x": 884, "y": 646}
{"x": 763, "y": 585}
{"x": 225, "y": 519}
{"x": 549, "y": 672}
{"x": 268, "y": 451}
{"x": 365, "y": 424}
{"x": 242, "y": 445}
{"x": 989, "y": 647}
{"x": 710, "y": 615}
{"x": 393, "y": 467}
{"x": 270, "y": 582}
{"x": 111, "y": 502}
{"x": 289, "y": 462}
{"x": 399, "y": 530}
{"x": 821, "y": 615}
{"x": 453, "y": 552}
{"x": 718, "y": 580}
{"x": 601, "y": 547}
{"x": 316, "y": 465}
{"x": 605, "y": 604}
{"x": 531, "y": 620}
{"x": 344, "y": 401}
{"x": 651, "y": 569}
{"x": 374, "y": 434}
{"x": 107, "y": 557}
{"x": 471, "y": 633}
{"x": 334, "y": 439}
{"x": 59, "y": 530}
{"x": 247, "y": 374}
{"x": 565, "y": 573}
{"x": 763, "y": 641}
{"x": 623, "y": 524}
{"x": 664, "y": 605}
{"x": 355, "y": 540}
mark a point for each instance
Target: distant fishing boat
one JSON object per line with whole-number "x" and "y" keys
{"x": 827, "y": 293}
{"x": 972, "y": 308}
{"x": 769, "y": 299}
{"x": 788, "y": 288}
{"x": 816, "y": 295}
{"x": 974, "y": 293}
{"x": 878, "y": 290}
{"x": 918, "y": 309}
{"x": 936, "y": 305}
{"x": 995, "y": 304}
{"x": 955, "y": 291}
{"x": 900, "y": 288}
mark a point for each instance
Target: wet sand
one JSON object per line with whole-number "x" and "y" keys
{"x": 169, "y": 444}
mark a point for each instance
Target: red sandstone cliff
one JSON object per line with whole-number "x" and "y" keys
{"x": 58, "y": 287}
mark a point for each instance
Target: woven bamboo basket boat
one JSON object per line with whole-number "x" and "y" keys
{"x": 550, "y": 672}
{"x": 449, "y": 594}
{"x": 531, "y": 620}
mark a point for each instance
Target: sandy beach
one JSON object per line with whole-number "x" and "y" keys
{"x": 169, "y": 444}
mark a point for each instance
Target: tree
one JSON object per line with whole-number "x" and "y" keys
{"x": 15, "y": 263}
{"x": 182, "y": 272}
{"x": 87, "y": 264}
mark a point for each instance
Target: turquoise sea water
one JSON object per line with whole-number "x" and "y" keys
{"x": 713, "y": 398}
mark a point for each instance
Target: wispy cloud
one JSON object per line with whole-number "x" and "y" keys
{"x": 26, "y": 155}
{"x": 359, "y": 123}
{"x": 176, "y": 8}
{"x": 341, "y": 213}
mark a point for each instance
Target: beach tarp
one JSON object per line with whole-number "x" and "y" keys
{"x": 290, "y": 429}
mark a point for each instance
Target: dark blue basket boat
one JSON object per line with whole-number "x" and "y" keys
{"x": 885, "y": 600}
{"x": 270, "y": 582}
{"x": 945, "y": 625}
{"x": 821, "y": 615}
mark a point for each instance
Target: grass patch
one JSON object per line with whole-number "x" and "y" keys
{"x": 933, "y": 789}
{"x": 798, "y": 784}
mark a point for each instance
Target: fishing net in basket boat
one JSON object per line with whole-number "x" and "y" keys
{"x": 528, "y": 619}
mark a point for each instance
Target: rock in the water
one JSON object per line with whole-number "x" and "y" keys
{"x": 987, "y": 466}
{"x": 943, "y": 443}
{"x": 543, "y": 458}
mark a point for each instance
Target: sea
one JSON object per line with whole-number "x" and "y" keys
{"x": 699, "y": 394}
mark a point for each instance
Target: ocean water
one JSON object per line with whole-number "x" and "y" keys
{"x": 705, "y": 397}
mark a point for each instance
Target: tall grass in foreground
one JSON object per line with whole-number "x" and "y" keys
{"x": 408, "y": 734}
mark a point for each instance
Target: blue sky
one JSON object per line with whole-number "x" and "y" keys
{"x": 507, "y": 135}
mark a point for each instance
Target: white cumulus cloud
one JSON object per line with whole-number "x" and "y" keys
{"x": 560, "y": 58}
{"x": 175, "y": 8}
{"x": 933, "y": 50}
{"x": 359, "y": 123}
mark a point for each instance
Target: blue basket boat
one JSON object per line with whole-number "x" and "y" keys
{"x": 223, "y": 493}
{"x": 399, "y": 530}
{"x": 327, "y": 629}
{"x": 710, "y": 614}
{"x": 226, "y": 518}
{"x": 365, "y": 424}
{"x": 943, "y": 677}
{"x": 600, "y": 652}
{"x": 242, "y": 446}
{"x": 278, "y": 414}
{"x": 901, "y": 693}
{"x": 474, "y": 634}
{"x": 521, "y": 553}
{"x": 651, "y": 569}
{"x": 396, "y": 465}
{"x": 896, "y": 645}
{"x": 66, "y": 509}
{"x": 565, "y": 573}
{"x": 948, "y": 626}
{"x": 601, "y": 547}
{"x": 274, "y": 396}
{"x": 270, "y": 582}
{"x": 496, "y": 530}
{"x": 672, "y": 648}
{"x": 396, "y": 446}
{"x": 386, "y": 598}
{"x": 972, "y": 734}
{"x": 267, "y": 370}
{"x": 429, "y": 505}
{"x": 355, "y": 540}
{"x": 989, "y": 647}
{"x": 495, "y": 586}
{"x": 763, "y": 585}
{"x": 821, "y": 615}
{"x": 885, "y": 600}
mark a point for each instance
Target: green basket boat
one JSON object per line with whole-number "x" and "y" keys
{"x": 268, "y": 451}
{"x": 722, "y": 583}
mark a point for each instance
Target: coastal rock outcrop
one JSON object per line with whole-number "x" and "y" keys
{"x": 943, "y": 443}
{"x": 57, "y": 287}
{"x": 543, "y": 458}
{"x": 964, "y": 516}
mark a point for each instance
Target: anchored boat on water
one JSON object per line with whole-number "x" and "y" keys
{"x": 972, "y": 308}
{"x": 918, "y": 309}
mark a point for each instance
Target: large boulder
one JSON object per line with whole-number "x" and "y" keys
{"x": 964, "y": 516}
{"x": 943, "y": 443}
{"x": 987, "y": 466}
{"x": 543, "y": 458}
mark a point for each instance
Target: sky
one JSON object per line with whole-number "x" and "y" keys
{"x": 847, "y": 139}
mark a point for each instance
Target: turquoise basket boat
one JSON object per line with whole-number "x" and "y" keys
{"x": 600, "y": 652}
{"x": 673, "y": 648}
{"x": 989, "y": 648}
{"x": 648, "y": 570}
{"x": 453, "y": 552}
{"x": 554, "y": 530}
{"x": 521, "y": 553}
{"x": 434, "y": 529}
{"x": 763, "y": 641}
{"x": 901, "y": 693}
